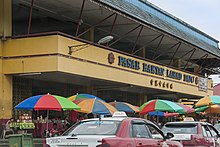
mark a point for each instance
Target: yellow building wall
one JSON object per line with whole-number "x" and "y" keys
{"x": 5, "y": 97}
{"x": 5, "y": 80}
{"x": 117, "y": 73}
{"x": 38, "y": 54}
{"x": 5, "y": 91}
{"x": 29, "y": 65}
{"x": 50, "y": 53}
{"x": 5, "y": 18}
{"x": 31, "y": 46}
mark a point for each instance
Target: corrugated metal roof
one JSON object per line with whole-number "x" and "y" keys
{"x": 130, "y": 8}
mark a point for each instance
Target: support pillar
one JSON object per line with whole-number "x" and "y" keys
{"x": 5, "y": 96}
{"x": 142, "y": 99}
{"x": 5, "y": 81}
{"x": 90, "y": 90}
{"x": 5, "y": 18}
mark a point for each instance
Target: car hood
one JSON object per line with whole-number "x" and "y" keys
{"x": 78, "y": 140}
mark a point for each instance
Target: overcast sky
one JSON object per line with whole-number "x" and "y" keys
{"x": 201, "y": 14}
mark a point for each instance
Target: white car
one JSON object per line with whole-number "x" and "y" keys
{"x": 192, "y": 133}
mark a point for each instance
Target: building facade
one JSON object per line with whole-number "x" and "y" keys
{"x": 126, "y": 50}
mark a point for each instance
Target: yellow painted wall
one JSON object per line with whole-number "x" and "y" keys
{"x": 5, "y": 81}
{"x": 45, "y": 49}
{"x": 28, "y": 65}
{"x": 5, "y": 96}
{"x": 92, "y": 53}
{"x": 31, "y": 46}
{"x": 5, "y": 92}
{"x": 51, "y": 54}
{"x": 5, "y": 18}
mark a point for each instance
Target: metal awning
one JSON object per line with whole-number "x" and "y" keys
{"x": 136, "y": 33}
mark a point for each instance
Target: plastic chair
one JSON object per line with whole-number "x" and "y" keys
{"x": 6, "y": 129}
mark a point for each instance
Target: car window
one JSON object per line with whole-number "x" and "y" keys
{"x": 204, "y": 133}
{"x": 140, "y": 131}
{"x": 180, "y": 128}
{"x": 95, "y": 127}
{"x": 154, "y": 132}
{"x": 213, "y": 131}
{"x": 206, "y": 130}
{"x": 217, "y": 126}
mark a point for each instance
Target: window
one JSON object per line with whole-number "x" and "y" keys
{"x": 180, "y": 128}
{"x": 206, "y": 129}
{"x": 213, "y": 131}
{"x": 96, "y": 127}
{"x": 140, "y": 131}
{"x": 154, "y": 132}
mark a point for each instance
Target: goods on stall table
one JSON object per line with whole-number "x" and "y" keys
{"x": 25, "y": 118}
{"x": 22, "y": 126}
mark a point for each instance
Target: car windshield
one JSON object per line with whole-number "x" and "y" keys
{"x": 94, "y": 127}
{"x": 180, "y": 128}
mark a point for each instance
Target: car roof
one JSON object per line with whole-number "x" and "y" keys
{"x": 189, "y": 122}
{"x": 106, "y": 118}
{"x": 117, "y": 119}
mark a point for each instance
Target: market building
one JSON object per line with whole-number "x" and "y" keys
{"x": 125, "y": 50}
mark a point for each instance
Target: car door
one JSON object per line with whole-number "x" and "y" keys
{"x": 142, "y": 135}
{"x": 158, "y": 136}
{"x": 215, "y": 135}
{"x": 207, "y": 136}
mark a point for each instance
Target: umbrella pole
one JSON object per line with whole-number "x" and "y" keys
{"x": 157, "y": 118}
{"x": 47, "y": 133}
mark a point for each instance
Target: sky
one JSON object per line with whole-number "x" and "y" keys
{"x": 201, "y": 14}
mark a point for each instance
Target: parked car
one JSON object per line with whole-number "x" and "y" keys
{"x": 193, "y": 133}
{"x": 116, "y": 131}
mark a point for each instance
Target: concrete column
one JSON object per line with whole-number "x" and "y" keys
{"x": 5, "y": 96}
{"x": 142, "y": 99}
{"x": 5, "y": 81}
{"x": 5, "y": 18}
{"x": 90, "y": 90}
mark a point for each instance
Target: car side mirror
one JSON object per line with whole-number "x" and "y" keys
{"x": 169, "y": 135}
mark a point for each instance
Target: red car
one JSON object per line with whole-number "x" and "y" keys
{"x": 114, "y": 132}
{"x": 193, "y": 133}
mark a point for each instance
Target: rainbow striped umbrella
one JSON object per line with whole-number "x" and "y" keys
{"x": 123, "y": 106}
{"x": 186, "y": 108}
{"x": 80, "y": 96}
{"x": 208, "y": 101}
{"x": 47, "y": 102}
{"x": 94, "y": 106}
{"x": 160, "y": 105}
{"x": 209, "y": 109}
